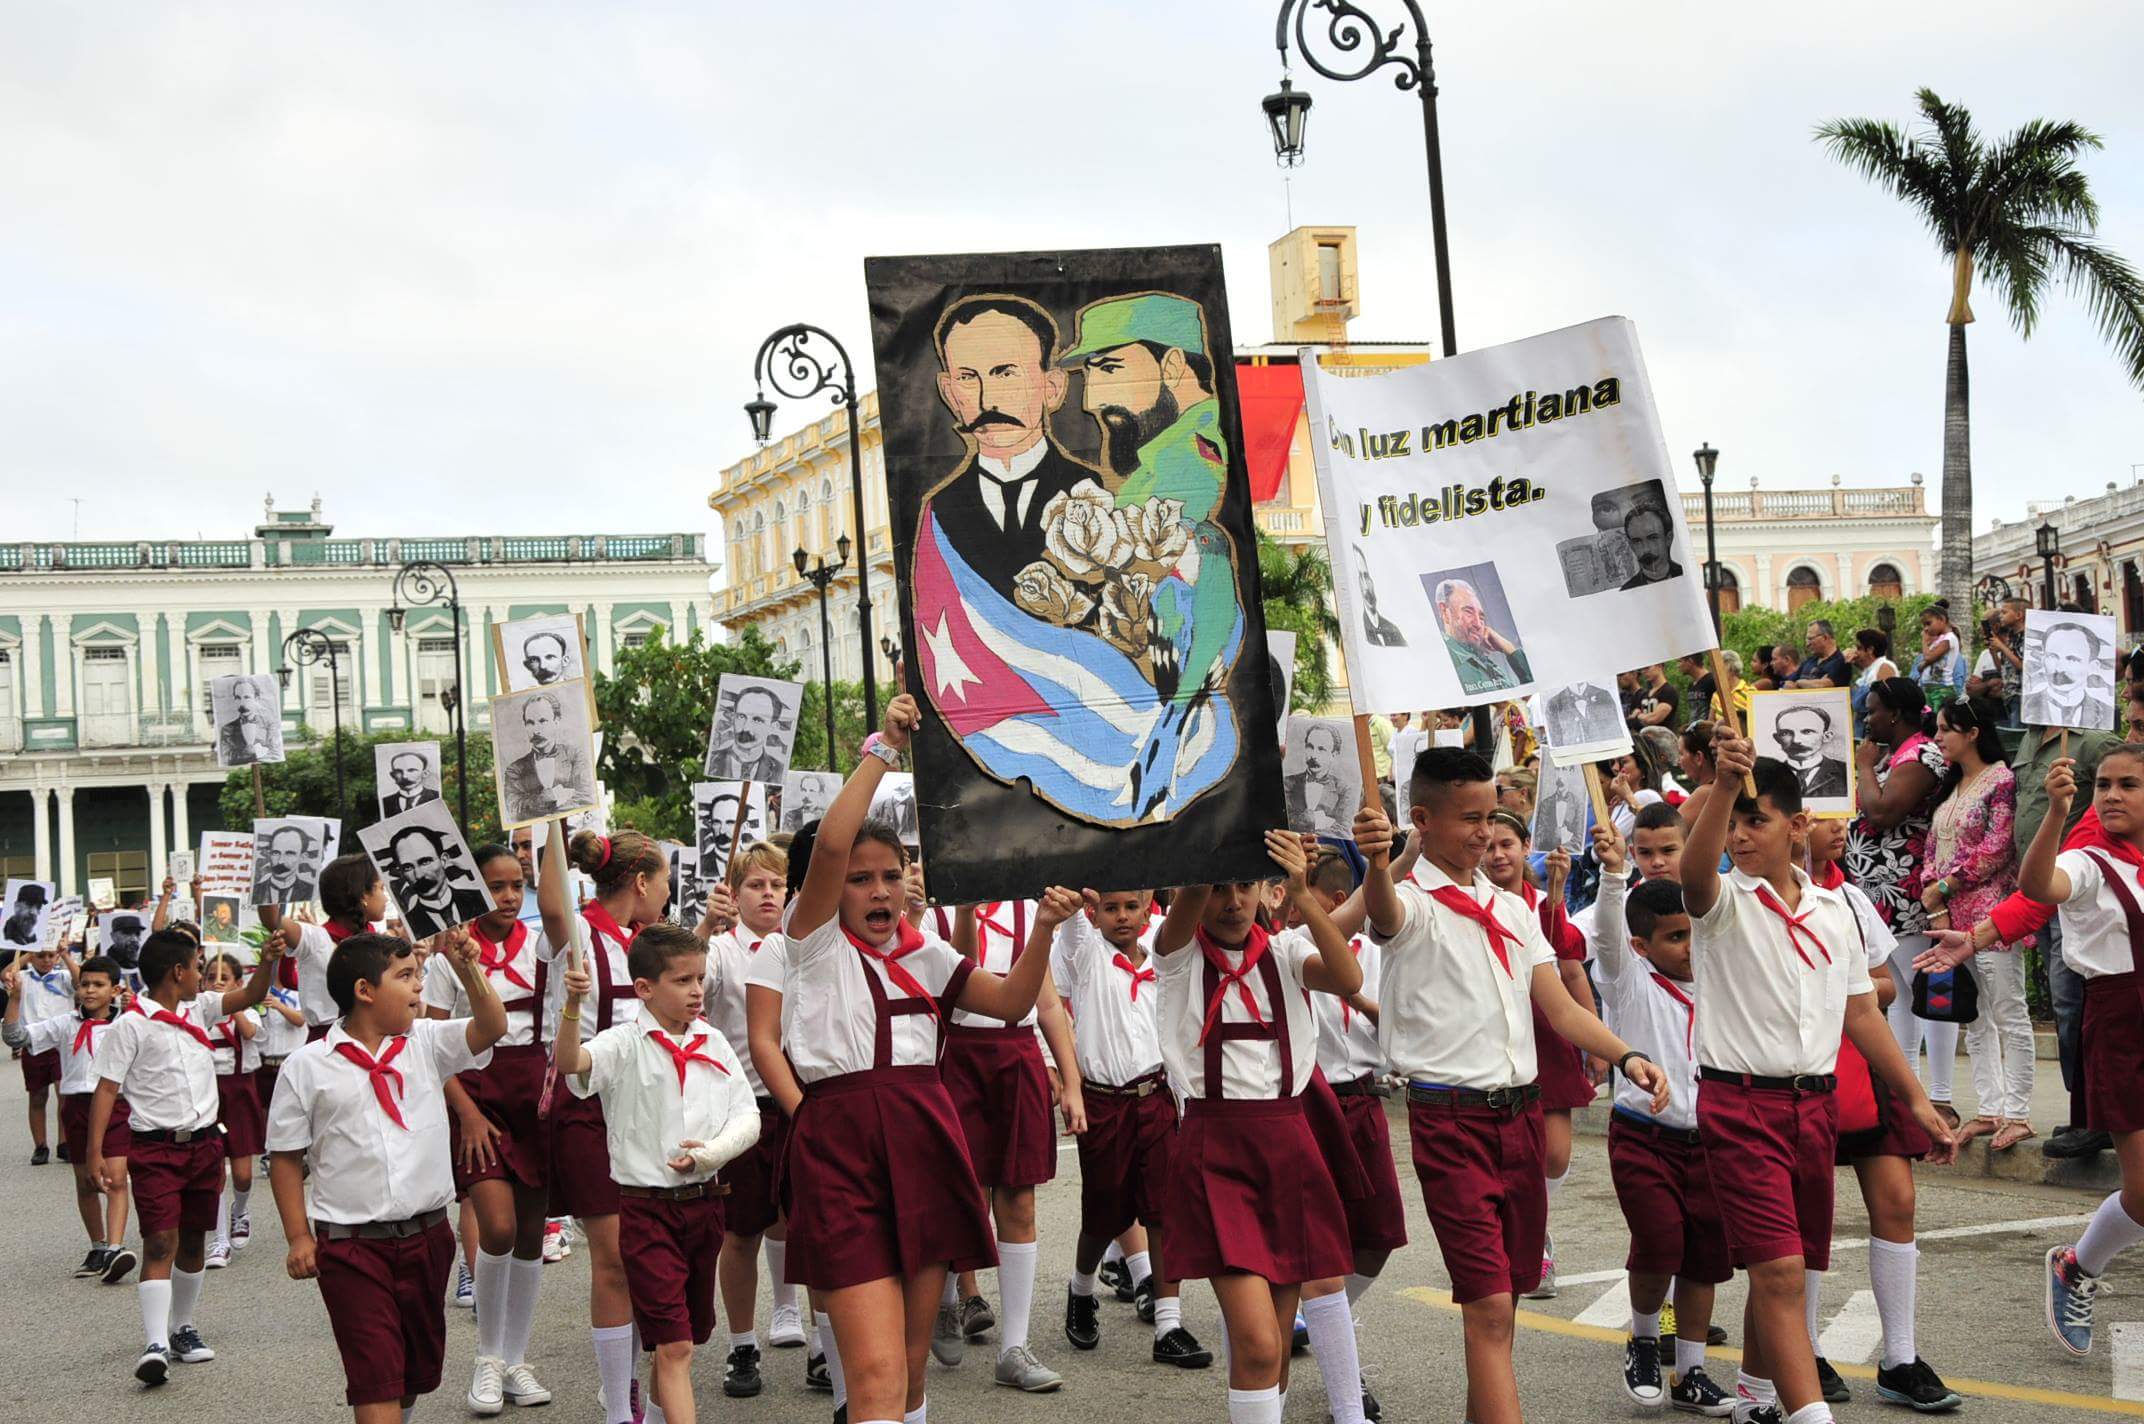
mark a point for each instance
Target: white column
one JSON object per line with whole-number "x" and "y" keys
{"x": 152, "y": 681}
{"x": 599, "y": 637}
{"x": 63, "y": 873}
{"x": 157, "y": 848}
{"x": 33, "y": 666}
{"x": 405, "y": 672}
{"x": 376, "y": 648}
{"x": 675, "y": 633}
{"x": 181, "y": 833}
{"x": 263, "y": 659}
{"x": 62, "y": 665}
{"x": 41, "y": 827}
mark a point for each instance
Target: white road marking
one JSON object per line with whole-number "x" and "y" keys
{"x": 1854, "y": 1333}
{"x": 1860, "y": 1243}
{"x": 2129, "y": 1360}
{"x": 1613, "y": 1307}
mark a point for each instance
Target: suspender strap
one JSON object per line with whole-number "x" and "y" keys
{"x": 1275, "y": 1031}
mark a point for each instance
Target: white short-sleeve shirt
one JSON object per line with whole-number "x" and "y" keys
{"x": 78, "y": 1069}
{"x": 315, "y": 948}
{"x": 606, "y": 958}
{"x": 1250, "y": 1068}
{"x": 167, "y": 1076}
{"x": 1116, "y": 1004}
{"x": 279, "y": 1038}
{"x": 647, "y": 1112}
{"x": 1347, "y": 1039}
{"x": 1651, "y": 1012}
{"x": 1001, "y": 928}
{"x": 1449, "y": 1011}
{"x": 236, "y": 1053}
{"x": 730, "y": 958}
{"x": 2095, "y": 930}
{"x": 49, "y": 995}
{"x": 513, "y": 975}
{"x": 364, "y": 1166}
{"x": 1768, "y": 1004}
{"x": 829, "y": 1019}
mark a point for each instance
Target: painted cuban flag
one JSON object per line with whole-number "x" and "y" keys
{"x": 1060, "y": 708}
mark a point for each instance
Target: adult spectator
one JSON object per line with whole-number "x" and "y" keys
{"x": 1761, "y": 670}
{"x": 1998, "y": 676}
{"x": 1871, "y": 659}
{"x": 1658, "y": 701}
{"x": 1825, "y": 666}
{"x": 1786, "y": 661}
{"x": 1698, "y": 669}
{"x": 1695, "y": 761}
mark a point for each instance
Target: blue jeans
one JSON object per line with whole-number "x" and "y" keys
{"x": 2067, "y": 990}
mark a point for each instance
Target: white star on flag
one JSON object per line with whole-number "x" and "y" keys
{"x": 949, "y": 671}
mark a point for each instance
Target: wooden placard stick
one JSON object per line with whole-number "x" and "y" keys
{"x": 260, "y": 803}
{"x": 1366, "y": 760}
{"x": 573, "y": 913}
{"x": 737, "y": 827}
{"x": 2062, "y": 743}
{"x": 1599, "y": 795}
{"x": 1724, "y": 680}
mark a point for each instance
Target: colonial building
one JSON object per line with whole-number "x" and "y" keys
{"x": 1784, "y": 548}
{"x": 2098, "y": 556}
{"x": 107, "y": 651}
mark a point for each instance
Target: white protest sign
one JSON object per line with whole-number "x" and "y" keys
{"x": 1444, "y": 487}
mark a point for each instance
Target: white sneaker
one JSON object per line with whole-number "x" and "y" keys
{"x": 241, "y": 1231}
{"x": 786, "y": 1330}
{"x": 522, "y": 1387}
{"x": 486, "y": 1386}
{"x": 219, "y": 1256}
{"x": 464, "y": 1288}
{"x": 554, "y": 1242}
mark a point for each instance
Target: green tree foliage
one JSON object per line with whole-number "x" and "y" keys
{"x": 303, "y": 784}
{"x": 1296, "y": 586}
{"x": 809, "y": 753}
{"x": 1748, "y": 629}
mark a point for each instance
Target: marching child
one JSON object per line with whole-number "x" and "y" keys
{"x": 1780, "y": 971}
{"x": 1100, "y": 963}
{"x": 47, "y": 992}
{"x": 74, "y": 1038}
{"x": 354, "y": 897}
{"x": 235, "y": 1042}
{"x": 1463, "y": 965}
{"x": 1654, "y": 851}
{"x": 162, "y": 1060}
{"x": 501, "y": 1166}
{"x": 364, "y": 1109}
{"x": 676, "y": 1107}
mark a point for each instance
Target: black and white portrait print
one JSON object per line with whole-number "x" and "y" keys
{"x": 1633, "y": 543}
{"x": 287, "y": 859}
{"x": 1322, "y": 776}
{"x": 427, "y": 867}
{"x": 1585, "y": 723}
{"x": 1377, "y": 630}
{"x": 688, "y": 893}
{"x": 895, "y": 803}
{"x": 120, "y": 933}
{"x": 806, "y": 795}
{"x": 1280, "y": 653}
{"x": 754, "y": 728}
{"x": 1562, "y": 811}
{"x": 545, "y": 758}
{"x": 1811, "y": 731}
{"x": 714, "y": 814}
{"x": 247, "y": 709}
{"x": 541, "y": 651}
{"x": 2069, "y": 670}
{"x": 406, "y": 774}
{"x": 22, "y": 920}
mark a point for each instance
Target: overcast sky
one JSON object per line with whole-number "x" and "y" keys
{"x": 475, "y": 268}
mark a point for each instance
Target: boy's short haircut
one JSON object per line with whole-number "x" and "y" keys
{"x": 1437, "y": 768}
{"x": 1650, "y": 902}
{"x": 757, "y": 856}
{"x": 1659, "y": 816}
{"x": 659, "y": 946}
{"x": 161, "y": 953}
{"x": 100, "y": 964}
{"x": 1331, "y": 873}
{"x": 1775, "y": 780}
{"x": 361, "y": 957}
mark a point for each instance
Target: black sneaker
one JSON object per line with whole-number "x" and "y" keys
{"x": 1641, "y": 1371}
{"x": 188, "y": 1348}
{"x": 63, "y": 1153}
{"x": 1118, "y": 1277}
{"x": 1917, "y": 1387}
{"x": 1179, "y": 1347}
{"x": 816, "y": 1374}
{"x": 1143, "y": 1299}
{"x": 1827, "y": 1379}
{"x": 1766, "y": 1414}
{"x": 40, "y": 1157}
{"x": 154, "y": 1366}
{"x": 1371, "y": 1409}
{"x": 92, "y": 1264}
{"x": 118, "y": 1260}
{"x": 740, "y": 1380}
{"x": 977, "y": 1319}
{"x": 1082, "y": 1320}
{"x": 841, "y": 1415}
{"x": 1300, "y": 1340}
{"x": 2076, "y": 1142}
{"x": 1715, "y": 1334}
{"x": 1695, "y": 1393}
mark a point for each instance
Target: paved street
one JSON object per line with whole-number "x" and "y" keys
{"x": 1979, "y": 1324}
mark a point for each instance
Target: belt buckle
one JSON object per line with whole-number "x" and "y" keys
{"x": 1808, "y": 1082}
{"x": 1144, "y": 1090}
{"x": 1501, "y": 1098}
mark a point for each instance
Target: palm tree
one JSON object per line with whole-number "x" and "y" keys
{"x": 2021, "y": 210}
{"x": 1295, "y": 585}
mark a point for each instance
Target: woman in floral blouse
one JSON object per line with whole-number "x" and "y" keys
{"x": 1972, "y": 866}
{"x": 1900, "y": 769}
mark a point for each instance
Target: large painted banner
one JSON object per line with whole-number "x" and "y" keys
{"x": 1503, "y": 521}
{"x": 1078, "y": 570}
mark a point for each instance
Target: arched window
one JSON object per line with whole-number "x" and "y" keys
{"x": 759, "y": 521}
{"x": 826, "y": 491}
{"x": 1803, "y": 587}
{"x": 1730, "y": 592}
{"x": 781, "y": 511}
{"x": 1884, "y": 582}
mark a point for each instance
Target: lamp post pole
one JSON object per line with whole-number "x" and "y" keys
{"x": 417, "y": 585}
{"x": 306, "y": 647}
{"x": 819, "y": 577}
{"x": 787, "y": 362}
{"x": 1355, "y": 36}
{"x": 2047, "y": 541}
{"x": 1708, "y": 460}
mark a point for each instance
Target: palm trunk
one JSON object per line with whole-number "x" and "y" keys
{"x": 1956, "y": 578}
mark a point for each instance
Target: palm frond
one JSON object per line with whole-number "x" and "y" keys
{"x": 2111, "y": 292}
{"x": 1887, "y": 156}
{"x": 2013, "y": 259}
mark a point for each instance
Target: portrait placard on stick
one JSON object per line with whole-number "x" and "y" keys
{"x": 1562, "y": 818}
{"x": 1812, "y": 731}
{"x": 1584, "y": 723}
{"x": 714, "y": 813}
{"x": 806, "y": 795}
{"x": 247, "y": 709}
{"x": 2069, "y": 670}
{"x": 428, "y": 868}
{"x": 405, "y": 775}
{"x": 895, "y": 803}
{"x": 543, "y": 755}
{"x": 754, "y": 728}
{"x": 1321, "y": 776}
{"x": 287, "y": 857}
{"x": 23, "y": 919}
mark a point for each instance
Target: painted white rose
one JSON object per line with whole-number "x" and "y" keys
{"x": 1157, "y": 531}
{"x": 1125, "y": 606}
{"x": 1084, "y": 531}
{"x": 1042, "y": 592}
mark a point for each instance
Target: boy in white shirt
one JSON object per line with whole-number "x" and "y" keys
{"x": 676, "y": 1106}
{"x": 47, "y": 992}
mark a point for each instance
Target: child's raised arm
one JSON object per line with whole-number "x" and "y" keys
{"x": 819, "y": 898}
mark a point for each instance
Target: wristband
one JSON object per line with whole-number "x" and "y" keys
{"x": 883, "y": 750}
{"x": 1621, "y": 1064}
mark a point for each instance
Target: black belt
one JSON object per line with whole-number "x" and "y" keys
{"x": 274, "y": 1060}
{"x": 1798, "y": 1083}
{"x": 1505, "y": 1100}
{"x": 1687, "y": 1136}
{"x": 1363, "y": 1087}
{"x": 1145, "y": 1087}
{"x": 380, "y": 1230}
{"x": 177, "y": 1136}
{"x": 693, "y": 1192}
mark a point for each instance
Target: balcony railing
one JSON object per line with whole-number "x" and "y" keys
{"x": 1902, "y": 501}
{"x": 75, "y": 556}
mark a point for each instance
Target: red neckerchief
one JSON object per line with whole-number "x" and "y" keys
{"x": 690, "y": 1053}
{"x": 499, "y": 959}
{"x": 1347, "y": 1010}
{"x": 1139, "y": 975}
{"x": 1254, "y": 949}
{"x": 194, "y": 1030}
{"x": 1796, "y": 925}
{"x": 1831, "y": 877}
{"x": 86, "y": 1034}
{"x": 227, "y": 1035}
{"x": 381, "y": 1074}
{"x": 1460, "y": 903}
{"x": 1689, "y": 1011}
{"x": 1017, "y": 934}
{"x": 602, "y": 920}
{"x": 907, "y": 940}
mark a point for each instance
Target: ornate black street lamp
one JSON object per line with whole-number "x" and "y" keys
{"x": 306, "y": 647}
{"x": 419, "y": 585}
{"x": 2047, "y": 543}
{"x": 819, "y": 577}
{"x": 1708, "y": 460}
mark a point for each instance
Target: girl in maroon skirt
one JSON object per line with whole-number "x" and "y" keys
{"x": 236, "y": 1042}
{"x": 1252, "y": 1204}
{"x": 632, "y": 879}
{"x": 501, "y": 1160}
{"x": 880, "y": 1194}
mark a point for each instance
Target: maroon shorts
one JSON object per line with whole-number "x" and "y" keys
{"x": 1481, "y": 1177}
{"x": 1250, "y": 1191}
{"x": 2114, "y": 1053}
{"x": 876, "y": 1182}
{"x": 753, "y": 1178}
{"x": 41, "y": 1070}
{"x": 264, "y": 1083}
{"x": 74, "y": 1127}
{"x": 1001, "y": 1090}
{"x": 387, "y": 1304}
{"x": 238, "y": 1108}
{"x": 669, "y": 1249}
{"x": 1665, "y": 1190}
{"x": 176, "y": 1186}
{"x": 580, "y": 1157}
{"x": 1376, "y": 1221}
{"x": 1124, "y": 1159}
{"x": 1560, "y": 1069}
{"x": 315, "y": 1032}
{"x": 1896, "y": 1134}
{"x": 506, "y": 1094}
{"x": 1770, "y": 1152}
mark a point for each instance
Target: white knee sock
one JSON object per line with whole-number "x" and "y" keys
{"x": 1113, "y": 1254}
{"x": 1644, "y": 1326}
{"x": 239, "y": 1197}
{"x": 223, "y": 1220}
{"x": 1555, "y": 1182}
{"x": 1254, "y": 1406}
{"x": 1358, "y": 1286}
{"x": 1332, "y": 1340}
{"x": 492, "y": 1274}
{"x": 155, "y": 1299}
{"x": 1894, "y": 1274}
{"x": 1817, "y": 1413}
{"x": 917, "y": 1415}
{"x": 524, "y": 1279}
{"x": 614, "y": 1365}
{"x": 1081, "y": 1283}
{"x": 952, "y": 1290}
{"x": 831, "y": 1348}
{"x": 785, "y": 1294}
{"x": 1755, "y": 1388}
{"x": 653, "y": 1413}
{"x": 1168, "y": 1314}
{"x": 185, "y": 1295}
{"x": 2111, "y": 1231}
{"x": 1140, "y": 1264}
{"x": 1016, "y": 1292}
{"x": 1812, "y": 1304}
{"x": 1689, "y": 1355}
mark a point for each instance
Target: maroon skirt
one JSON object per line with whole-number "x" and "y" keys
{"x": 1336, "y": 1141}
{"x": 1124, "y": 1159}
{"x": 579, "y": 1167}
{"x": 506, "y": 1093}
{"x": 1000, "y": 1089}
{"x": 74, "y": 1127}
{"x": 753, "y": 1177}
{"x": 238, "y": 1108}
{"x": 1250, "y": 1191}
{"x": 1560, "y": 1069}
{"x": 2114, "y": 1052}
{"x": 1376, "y": 1221}
{"x": 876, "y": 1182}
